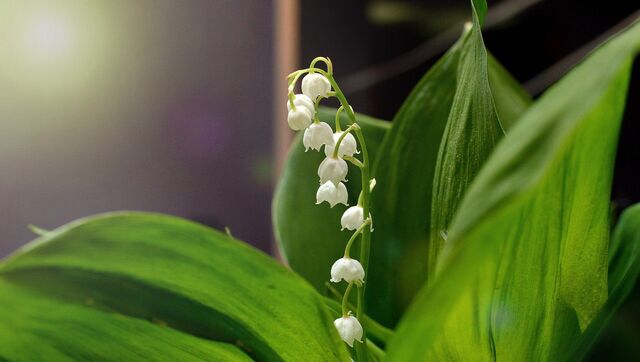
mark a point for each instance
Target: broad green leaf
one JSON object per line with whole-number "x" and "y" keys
{"x": 121, "y": 271}
{"x": 624, "y": 270}
{"x": 402, "y": 197}
{"x": 405, "y": 173}
{"x": 524, "y": 270}
{"x": 37, "y": 327}
{"x": 472, "y": 131}
{"x": 309, "y": 235}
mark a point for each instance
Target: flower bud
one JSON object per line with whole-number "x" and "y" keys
{"x": 301, "y": 100}
{"x": 349, "y": 329}
{"x": 315, "y": 85}
{"x": 299, "y": 119}
{"x": 352, "y": 218}
{"x": 347, "y": 269}
{"x": 316, "y": 135}
{"x": 348, "y": 146}
{"x": 333, "y": 169}
{"x": 331, "y": 193}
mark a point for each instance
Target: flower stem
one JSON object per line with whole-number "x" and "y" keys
{"x": 356, "y": 162}
{"x": 361, "y": 349}
{"x": 326, "y": 61}
{"x": 342, "y": 136}
{"x": 345, "y": 301}
{"x": 347, "y": 249}
{"x": 365, "y": 242}
{"x": 338, "y": 112}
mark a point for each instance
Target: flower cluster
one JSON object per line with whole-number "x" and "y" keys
{"x": 340, "y": 147}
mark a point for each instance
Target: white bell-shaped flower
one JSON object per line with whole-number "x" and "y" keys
{"x": 332, "y": 193}
{"x": 315, "y": 85}
{"x": 349, "y": 329}
{"x": 301, "y": 100}
{"x": 316, "y": 135}
{"x": 347, "y": 269}
{"x": 348, "y": 146}
{"x": 352, "y": 218}
{"x": 333, "y": 169}
{"x": 299, "y": 119}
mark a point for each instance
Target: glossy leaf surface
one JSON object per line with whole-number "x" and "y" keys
{"x": 126, "y": 274}
{"x": 524, "y": 272}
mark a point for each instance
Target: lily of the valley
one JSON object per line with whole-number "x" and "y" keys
{"x": 333, "y": 169}
{"x": 301, "y": 100}
{"x": 299, "y": 118}
{"x": 315, "y": 85}
{"x": 347, "y": 269}
{"x": 317, "y": 135}
{"x": 352, "y": 218}
{"x": 348, "y": 146}
{"x": 332, "y": 193}
{"x": 349, "y": 329}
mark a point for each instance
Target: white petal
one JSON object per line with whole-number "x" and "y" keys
{"x": 348, "y": 146}
{"x": 315, "y": 85}
{"x": 349, "y": 329}
{"x": 333, "y": 169}
{"x": 347, "y": 269}
{"x": 317, "y": 135}
{"x": 342, "y": 196}
{"x": 327, "y": 192}
{"x": 332, "y": 193}
{"x": 301, "y": 100}
{"x": 299, "y": 119}
{"x": 352, "y": 218}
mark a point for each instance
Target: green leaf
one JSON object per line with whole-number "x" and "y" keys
{"x": 405, "y": 175}
{"x": 525, "y": 265}
{"x": 479, "y": 8}
{"x": 114, "y": 274}
{"x": 624, "y": 270}
{"x": 472, "y": 131}
{"x": 37, "y": 327}
{"x": 309, "y": 235}
{"x": 510, "y": 99}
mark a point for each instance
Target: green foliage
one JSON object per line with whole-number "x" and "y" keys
{"x": 131, "y": 285}
{"x": 472, "y": 131}
{"x": 500, "y": 205}
{"x": 404, "y": 169}
{"x": 624, "y": 270}
{"x": 524, "y": 271}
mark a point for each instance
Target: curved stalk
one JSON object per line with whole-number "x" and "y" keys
{"x": 365, "y": 241}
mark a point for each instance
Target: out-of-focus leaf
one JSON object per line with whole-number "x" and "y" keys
{"x": 112, "y": 275}
{"x": 405, "y": 173}
{"x": 525, "y": 266}
{"x": 624, "y": 270}
{"x": 479, "y": 10}
{"x": 510, "y": 99}
{"x": 309, "y": 235}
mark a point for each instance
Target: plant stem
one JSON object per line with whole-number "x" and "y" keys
{"x": 338, "y": 126}
{"x": 345, "y": 301}
{"x": 365, "y": 242}
{"x": 361, "y": 349}
{"x": 342, "y": 136}
{"x": 347, "y": 249}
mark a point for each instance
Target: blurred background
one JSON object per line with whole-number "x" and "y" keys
{"x": 179, "y": 106}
